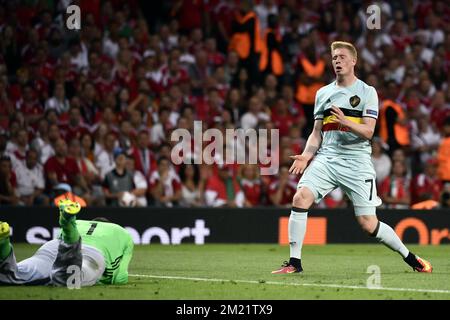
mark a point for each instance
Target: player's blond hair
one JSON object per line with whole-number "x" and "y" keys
{"x": 346, "y": 45}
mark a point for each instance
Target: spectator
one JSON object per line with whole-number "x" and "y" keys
{"x": 105, "y": 159}
{"x": 126, "y": 135}
{"x": 245, "y": 39}
{"x": 310, "y": 77}
{"x": 144, "y": 159}
{"x": 270, "y": 91}
{"x": 41, "y": 136}
{"x": 165, "y": 185}
{"x": 192, "y": 187}
{"x": 30, "y": 180}
{"x": 199, "y": 72}
{"x": 19, "y": 151}
{"x": 51, "y": 116}
{"x": 381, "y": 162}
{"x": 158, "y": 131}
{"x": 440, "y": 110}
{"x": 426, "y": 186}
{"x": 173, "y": 74}
{"x": 255, "y": 113}
{"x": 14, "y": 127}
{"x": 137, "y": 121}
{"x": 393, "y": 121}
{"x": 282, "y": 189}
{"x": 297, "y": 141}
{"x": 425, "y": 141}
{"x": 58, "y": 102}
{"x": 233, "y": 104}
{"x": 295, "y": 109}
{"x": 282, "y": 118}
{"x": 87, "y": 147}
{"x": 335, "y": 199}
{"x": 48, "y": 143}
{"x": 394, "y": 190}
{"x": 74, "y": 128}
{"x": 251, "y": 185}
{"x": 60, "y": 168}
{"x": 108, "y": 118}
{"x": 231, "y": 68}
{"x": 29, "y": 105}
{"x": 263, "y": 11}
{"x": 400, "y": 155}
{"x": 90, "y": 189}
{"x": 140, "y": 183}
{"x": 443, "y": 156}
{"x": 118, "y": 185}
{"x": 8, "y": 183}
{"x": 271, "y": 60}
{"x": 222, "y": 190}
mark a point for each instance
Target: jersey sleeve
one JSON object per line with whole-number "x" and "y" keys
{"x": 371, "y": 105}
{"x": 318, "y": 108}
{"x": 121, "y": 276}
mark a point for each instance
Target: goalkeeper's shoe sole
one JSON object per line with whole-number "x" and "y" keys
{"x": 69, "y": 207}
{"x": 4, "y": 230}
{"x": 426, "y": 266}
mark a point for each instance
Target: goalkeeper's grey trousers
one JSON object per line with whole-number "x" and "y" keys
{"x": 55, "y": 263}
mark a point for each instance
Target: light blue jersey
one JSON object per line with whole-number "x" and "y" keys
{"x": 343, "y": 159}
{"x": 356, "y": 101}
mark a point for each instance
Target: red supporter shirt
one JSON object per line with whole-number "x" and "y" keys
{"x": 145, "y": 162}
{"x": 69, "y": 132}
{"x": 216, "y": 59}
{"x": 216, "y": 185}
{"x": 223, "y": 12}
{"x": 190, "y": 14}
{"x": 171, "y": 185}
{"x": 169, "y": 79}
{"x": 65, "y": 171}
{"x": 395, "y": 187}
{"x": 104, "y": 87}
{"x": 438, "y": 116}
{"x": 423, "y": 184}
{"x": 284, "y": 122}
{"x": 252, "y": 191}
{"x": 288, "y": 192}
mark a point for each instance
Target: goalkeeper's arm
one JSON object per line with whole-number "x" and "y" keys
{"x": 121, "y": 276}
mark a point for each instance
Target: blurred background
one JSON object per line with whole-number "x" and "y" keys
{"x": 91, "y": 111}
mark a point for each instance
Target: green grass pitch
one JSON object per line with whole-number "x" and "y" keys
{"x": 242, "y": 271}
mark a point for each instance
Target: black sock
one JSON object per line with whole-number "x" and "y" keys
{"x": 297, "y": 263}
{"x": 412, "y": 261}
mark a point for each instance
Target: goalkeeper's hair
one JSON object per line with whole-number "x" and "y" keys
{"x": 346, "y": 45}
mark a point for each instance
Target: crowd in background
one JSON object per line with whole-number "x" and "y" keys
{"x": 91, "y": 111}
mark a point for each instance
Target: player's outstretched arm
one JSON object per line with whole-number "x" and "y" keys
{"x": 364, "y": 130}
{"x": 312, "y": 145}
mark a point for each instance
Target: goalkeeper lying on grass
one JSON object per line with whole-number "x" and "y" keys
{"x": 100, "y": 251}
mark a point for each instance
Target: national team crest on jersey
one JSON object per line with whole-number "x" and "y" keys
{"x": 354, "y": 101}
